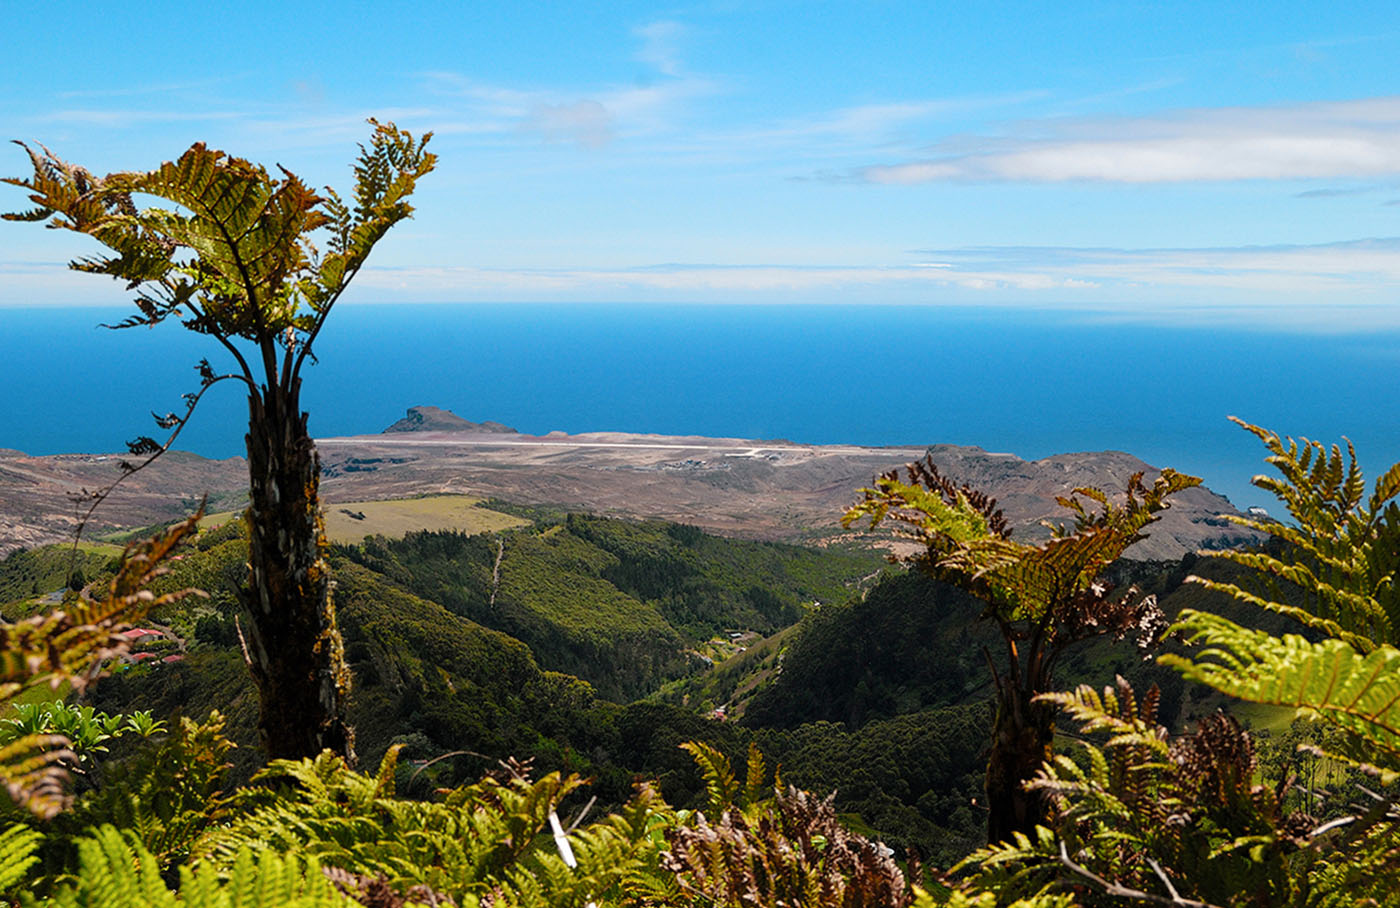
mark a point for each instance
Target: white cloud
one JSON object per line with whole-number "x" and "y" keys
{"x": 659, "y": 46}
{"x": 589, "y": 116}
{"x": 1360, "y": 274}
{"x": 859, "y": 129}
{"x": 1332, "y": 285}
{"x": 586, "y": 122}
{"x": 1306, "y": 141}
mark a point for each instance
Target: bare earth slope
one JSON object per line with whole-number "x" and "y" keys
{"x": 761, "y": 489}
{"x": 37, "y": 494}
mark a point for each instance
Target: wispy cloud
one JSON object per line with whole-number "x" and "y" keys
{"x": 1334, "y": 192}
{"x": 154, "y": 88}
{"x": 586, "y": 122}
{"x": 588, "y": 116}
{"x": 1333, "y": 286}
{"x": 1303, "y": 284}
{"x": 1306, "y": 141}
{"x": 880, "y": 121}
{"x": 1286, "y": 274}
{"x": 660, "y": 46}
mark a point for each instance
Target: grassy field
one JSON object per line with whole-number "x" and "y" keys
{"x": 350, "y": 522}
{"x": 109, "y": 549}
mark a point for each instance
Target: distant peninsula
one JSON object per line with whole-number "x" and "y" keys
{"x": 761, "y": 489}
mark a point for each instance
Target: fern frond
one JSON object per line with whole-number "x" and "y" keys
{"x": 1343, "y": 549}
{"x": 1362, "y": 642}
{"x": 720, "y": 783}
{"x": 33, "y": 772}
{"x": 1357, "y": 693}
{"x": 384, "y": 781}
{"x": 18, "y": 845}
{"x": 755, "y": 776}
{"x": 116, "y": 872}
{"x": 67, "y": 645}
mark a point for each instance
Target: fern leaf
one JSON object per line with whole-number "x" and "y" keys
{"x": 116, "y": 872}
{"x": 720, "y": 783}
{"x": 755, "y": 772}
{"x": 384, "y": 782}
{"x": 17, "y": 846}
{"x": 33, "y": 772}
{"x": 1358, "y": 693}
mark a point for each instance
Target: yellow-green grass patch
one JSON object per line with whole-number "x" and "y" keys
{"x": 1262, "y": 716}
{"x": 38, "y": 693}
{"x": 351, "y": 522}
{"x": 101, "y": 548}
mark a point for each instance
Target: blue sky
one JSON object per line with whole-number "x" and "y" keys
{"x": 1228, "y": 161}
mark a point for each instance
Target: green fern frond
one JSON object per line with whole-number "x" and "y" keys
{"x": 1114, "y": 711}
{"x": 116, "y": 872}
{"x": 33, "y": 771}
{"x": 1358, "y": 693}
{"x": 1342, "y": 547}
{"x": 755, "y": 776}
{"x": 1025, "y": 581}
{"x": 18, "y": 844}
{"x": 722, "y": 787}
{"x": 169, "y": 792}
{"x": 1020, "y": 866}
{"x": 384, "y": 781}
{"x": 1362, "y": 642}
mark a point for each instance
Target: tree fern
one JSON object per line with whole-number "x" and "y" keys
{"x": 232, "y": 254}
{"x": 1185, "y": 821}
{"x": 1043, "y": 598}
{"x": 1143, "y": 815}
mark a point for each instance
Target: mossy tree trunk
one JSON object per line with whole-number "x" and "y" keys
{"x": 1021, "y": 743}
{"x": 294, "y": 646}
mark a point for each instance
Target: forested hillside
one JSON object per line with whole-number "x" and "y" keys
{"x": 540, "y": 665}
{"x": 599, "y": 646}
{"x": 876, "y": 693}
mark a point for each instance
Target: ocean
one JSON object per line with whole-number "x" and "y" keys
{"x": 1032, "y": 383}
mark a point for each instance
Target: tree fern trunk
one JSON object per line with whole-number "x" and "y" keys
{"x": 1021, "y": 743}
{"x": 294, "y": 645}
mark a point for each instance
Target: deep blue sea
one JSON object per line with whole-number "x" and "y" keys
{"x": 1031, "y": 383}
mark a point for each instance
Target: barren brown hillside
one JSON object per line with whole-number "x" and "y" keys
{"x": 761, "y": 489}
